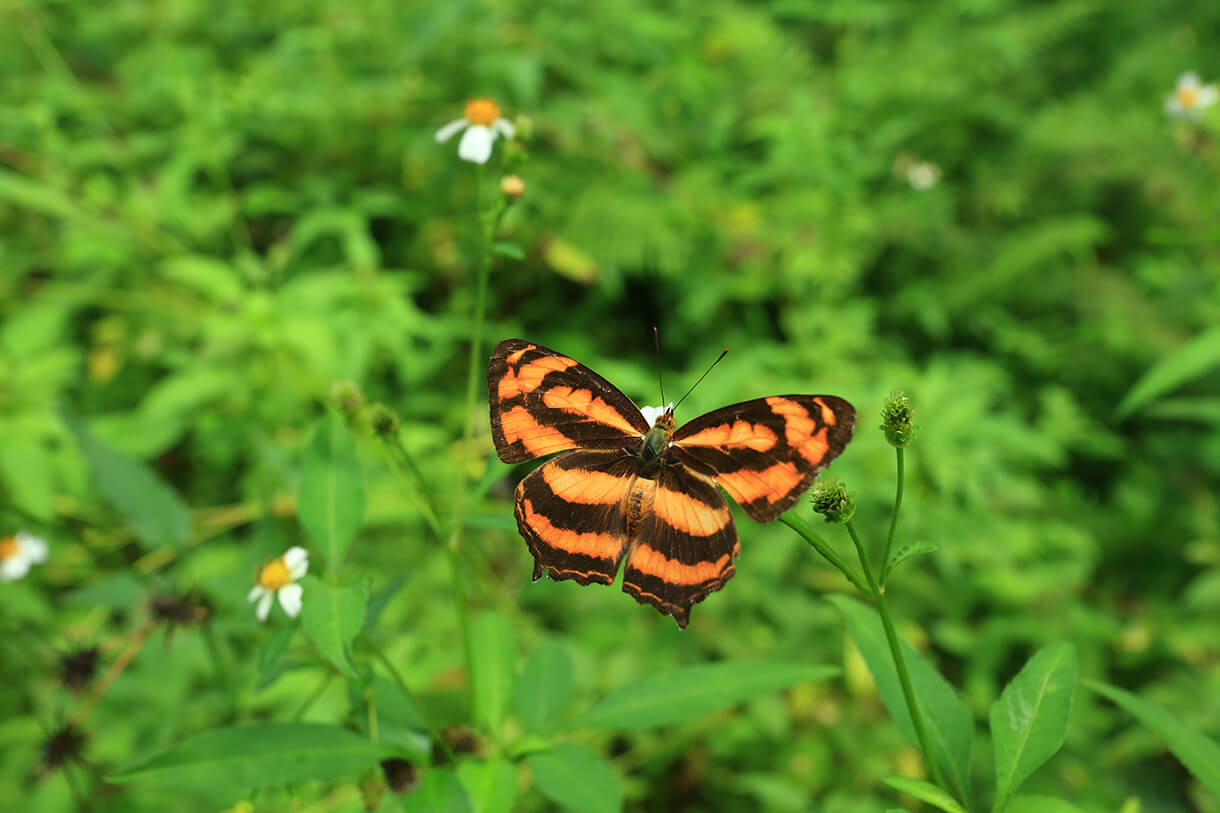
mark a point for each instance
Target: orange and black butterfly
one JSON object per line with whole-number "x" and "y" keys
{"x": 646, "y": 493}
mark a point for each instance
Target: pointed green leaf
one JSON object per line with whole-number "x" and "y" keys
{"x": 1030, "y": 720}
{"x": 927, "y": 792}
{"x": 258, "y": 756}
{"x": 1180, "y": 365}
{"x": 437, "y": 792}
{"x": 545, "y": 686}
{"x": 577, "y": 779}
{"x": 695, "y": 690}
{"x": 904, "y": 553}
{"x": 947, "y": 719}
{"x": 332, "y": 616}
{"x": 510, "y": 250}
{"x": 330, "y": 502}
{"x": 152, "y": 509}
{"x": 493, "y": 659}
{"x": 1199, "y": 754}
{"x": 491, "y": 785}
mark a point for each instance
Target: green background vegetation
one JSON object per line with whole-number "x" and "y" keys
{"x": 210, "y": 213}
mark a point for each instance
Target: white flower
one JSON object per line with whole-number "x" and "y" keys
{"x": 18, "y": 553}
{"x": 652, "y": 413}
{"x": 482, "y": 124}
{"x": 923, "y": 175}
{"x": 279, "y": 578}
{"x": 1189, "y": 97}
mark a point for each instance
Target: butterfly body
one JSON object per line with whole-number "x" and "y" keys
{"x": 645, "y": 494}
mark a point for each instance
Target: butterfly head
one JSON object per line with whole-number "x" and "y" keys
{"x": 658, "y": 437}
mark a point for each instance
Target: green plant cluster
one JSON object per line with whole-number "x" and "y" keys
{"x": 246, "y": 302}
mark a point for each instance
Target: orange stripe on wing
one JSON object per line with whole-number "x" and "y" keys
{"x": 508, "y": 387}
{"x": 530, "y": 376}
{"x": 754, "y": 436}
{"x": 598, "y": 545}
{"x": 689, "y": 515}
{"x": 798, "y": 428}
{"x": 514, "y": 357}
{"x": 583, "y": 403}
{"x": 584, "y": 486}
{"x": 518, "y": 425}
{"x": 771, "y": 483}
{"x": 652, "y": 562}
{"x": 828, "y": 414}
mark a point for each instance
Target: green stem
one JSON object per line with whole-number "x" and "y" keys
{"x": 822, "y": 547}
{"x": 900, "y": 664}
{"x": 889, "y": 540}
{"x": 223, "y": 673}
{"x": 402, "y": 685}
{"x": 403, "y": 464}
{"x": 314, "y": 695}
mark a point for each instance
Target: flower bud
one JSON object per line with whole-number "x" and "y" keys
{"x": 896, "y": 415}
{"x": 831, "y": 500}
{"x": 383, "y": 421}
{"x": 512, "y": 187}
{"x": 348, "y": 397}
{"x": 524, "y": 127}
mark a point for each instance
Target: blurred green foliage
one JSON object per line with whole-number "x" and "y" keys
{"x": 210, "y": 213}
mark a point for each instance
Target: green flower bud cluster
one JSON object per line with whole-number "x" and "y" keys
{"x": 896, "y": 420}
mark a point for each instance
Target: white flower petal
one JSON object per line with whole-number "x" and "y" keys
{"x": 1190, "y": 79}
{"x": 1172, "y": 106}
{"x": 264, "y": 606}
{"x": 33, "y": 548}
{"x": 296, "y": 559}
{"x": 13, "y": 568}
{"x": 256, "y": 592}
{"x": 1208, "y": 95}
{"x": 290, "y": 599}
{"x": 450, "y": 130}
{"x": 476, "y": 144}
{"x": 505, "y": 127}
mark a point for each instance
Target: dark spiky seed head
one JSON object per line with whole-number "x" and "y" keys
{"x": 831, "y": 500}
{"x": 63, "y": 745}
{"x": 77, "y": 668}
{"x": 400, "y": 775}
{"x": 384, "y": 422}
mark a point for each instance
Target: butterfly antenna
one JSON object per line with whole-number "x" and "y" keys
{"x": 656, "y": 340}
{"x": 709, "y": 369}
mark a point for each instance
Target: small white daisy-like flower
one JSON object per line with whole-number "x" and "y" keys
{"x": 652, "y": 413}
{"x": 923, "y": 175}
{"x": 18, "y": 553}
{"x": 482, "y": 124}
{"x": 279, "y": 578}
{"x": 1190, "y": 97}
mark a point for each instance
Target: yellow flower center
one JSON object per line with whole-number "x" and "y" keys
{"x": 8, "y": 547}
{"x": 482, "y": 111}
{"x": 275, "y": 575}
{"x": 1188, "y": 96}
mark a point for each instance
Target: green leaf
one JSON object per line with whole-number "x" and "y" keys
{"x": 576, "y": 778}
{"x": 510, "y": 250}
{"x": 1200, "y": 755}
{"x": 36, "y": 195}
{"x": 545, "y": 686}
{"x": 258, "y": 756}
{"x": 1180, "y": 365}
{"x": 493, "y": 657}
{"x": 275, "y": 645}
{"x": 491, "y": 785}
{"x": 925, "y": 791}
{"x": 947, "y": 719}
{"x": 382, "y": 598}
{"x": 438, "y": 792}
{"x": 904, "y": 553}
{"x": 151, "y": 508}
{"x": 1039, "y": 804}
{"x": 695, "y": 690}
{"x": 332, "y": 616}
{"x": 330, "y": 501}
{"x": 1030, "y": 720}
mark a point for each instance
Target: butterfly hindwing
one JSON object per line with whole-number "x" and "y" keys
{"x": 544, "y": 402}
{"x": 685, "y": 544}
{"x": 766, "y": 452}
{"x": 571, "y": 511}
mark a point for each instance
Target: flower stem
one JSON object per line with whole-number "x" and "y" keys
{"x": 314, "y": 695}
{"x": 402, "y": 685}
{"x": 900, "y": 665}
{"x": 889, "y": 540}
{"x": 822, "y": 547}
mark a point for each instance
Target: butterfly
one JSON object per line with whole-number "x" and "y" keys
{"x": 645, "y": 491}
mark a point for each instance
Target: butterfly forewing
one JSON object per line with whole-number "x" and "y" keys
{"x": 571, "y": 512}
{"x": 685, "y": 544}
{"x": 544, "y": 402}
{"x": 766, "y": 452}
